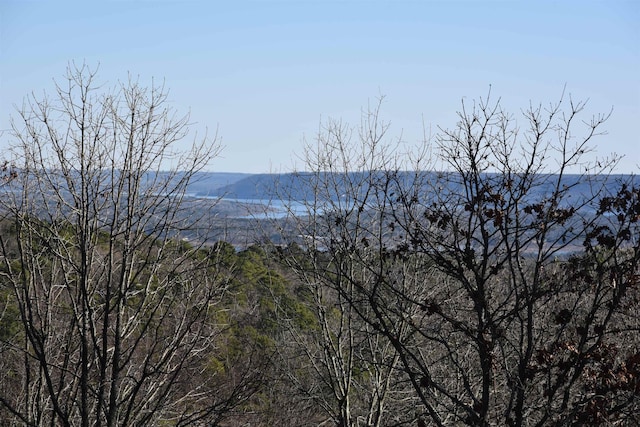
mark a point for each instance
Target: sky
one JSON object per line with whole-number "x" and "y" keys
{"x": 265, "y": 74}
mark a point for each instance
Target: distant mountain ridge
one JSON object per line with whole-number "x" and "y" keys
{"x": 300, "y": 185}
{"x": 209, "y": 183}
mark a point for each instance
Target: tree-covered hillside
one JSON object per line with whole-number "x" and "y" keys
{"x": 504, "y": 291}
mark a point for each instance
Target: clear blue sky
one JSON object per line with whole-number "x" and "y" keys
{"x": 265, "y": 72}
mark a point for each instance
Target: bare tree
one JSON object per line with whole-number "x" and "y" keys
{"x": 505, "y": 281}
{"x": 116, "y": 312}
{"x": 350, "y": 370}
{"x": 495, "y": 227}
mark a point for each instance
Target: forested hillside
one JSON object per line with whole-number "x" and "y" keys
{"x": 504, "y": 291}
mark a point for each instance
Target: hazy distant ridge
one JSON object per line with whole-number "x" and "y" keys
{"x": 298, "y": 186}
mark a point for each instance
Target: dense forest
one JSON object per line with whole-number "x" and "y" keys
{"x": 504, "y": 290}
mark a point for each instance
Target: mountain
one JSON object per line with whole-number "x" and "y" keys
{"x": 302, "y": 185}
{"x": 209, "y": 183}
{"x": 289, "y": 186}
